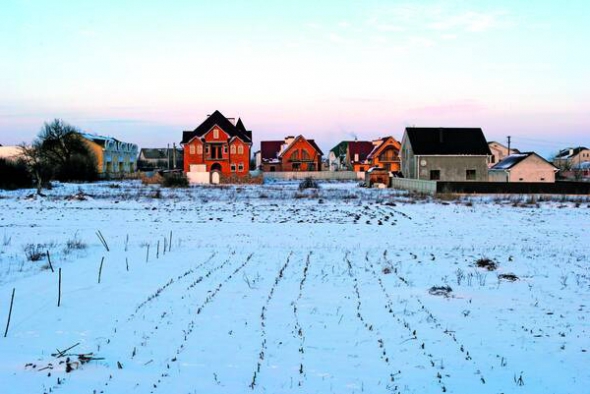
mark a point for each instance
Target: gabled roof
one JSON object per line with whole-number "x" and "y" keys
{"x": 569, "y": 152}
{"x": 270, "y": 150}
{"x": 377, "y": 148}
{"x": 447, "y": 141}
{"x": 340, "y": 148}
{"x": 218, "y": 119}
{"x": 511, "y": 161}
{"x": 362, "y": 148}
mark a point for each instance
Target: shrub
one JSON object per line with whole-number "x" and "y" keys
{"x": 308, "y": 183}
{"x": 174, "y": 180}
{"x": 14, "y": 175}
{"x": 34, "y": 252}
{"x": 487, "y": 264}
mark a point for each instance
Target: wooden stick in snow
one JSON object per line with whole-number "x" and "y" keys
{"x": 59, "y": 290}
{"x": 100, "y": 269}
{"x": 49, "y": 261}
{"x": 127, "y": 263}
{"x": 102, "y": 240}
{"x": 158, "y": 250}
{"x": 147, "y": 256}
{"x": 9, "y": 313}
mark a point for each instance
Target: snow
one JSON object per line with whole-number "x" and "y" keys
{"x": 267, "y": 289}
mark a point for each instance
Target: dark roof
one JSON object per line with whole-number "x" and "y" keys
{"x": 157, "y": 153}
{"x": 270, "y": 149}
{"x": 316, "y": 147}
{"x": 218, "y": 119}
{"x": 510, "y": 161}
{"x": 569, "y": 152}
{"x": 363, "y": 148}
{"x": 340, "y": 149}
{"x": 447, "y": 141}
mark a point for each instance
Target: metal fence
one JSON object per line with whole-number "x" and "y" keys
{"x": 415, "y": 185}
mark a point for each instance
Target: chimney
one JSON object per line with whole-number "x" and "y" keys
{"x": 289, "y": 139}
{"x": 232, "y": 120}
{"x": 440, "y": 135}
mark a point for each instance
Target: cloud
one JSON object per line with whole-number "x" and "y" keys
{"x": 441, "y": 17}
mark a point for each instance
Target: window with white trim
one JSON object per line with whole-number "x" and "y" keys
{"x": 240, "y": 149}
{"x": 225, "y": 149}
{"x": 192, "y": 149}
{"x": 200, "y": 149}
{"x": 241, "y": 167}
{"x": 233, "y": 149}
{"x": 233, "y": 167}
{"x": 215, "y": 133}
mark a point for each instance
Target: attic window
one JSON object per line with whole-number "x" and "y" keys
{"x": 240, "y": 150}
{"x": 215, "y": 133}
{"x": 233, "y": 149}
{"x": 192, "y": 149}
{"x": 199, "y": 149}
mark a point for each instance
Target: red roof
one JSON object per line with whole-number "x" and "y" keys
{"x": 269, "y": 150}
{"x": 362, "y": 148}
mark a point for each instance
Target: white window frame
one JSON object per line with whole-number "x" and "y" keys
{"x": 191, "y": 149}
{"x": 241, "y": 167}
{"x": 200, "y": 149}
{"x": 240, "y": 149}
{"x": 215, "y": 133}
{"x": 233, "y": 149}
{"x": 232, "y": 167}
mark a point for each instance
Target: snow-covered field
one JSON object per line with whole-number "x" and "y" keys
{"x": 264, "y": 289}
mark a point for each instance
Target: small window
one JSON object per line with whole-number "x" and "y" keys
{"x": 225, "y": 149}
{"x": 272, "y": 169}
{"x": 362, "y": 169}
{"x": 240, "y": 150}
{"x": 295, "y": 155}
{"x": 207, "y": 149}
{"x": 233, "y": 149}
{"x": 434, "y": 175}
{"x": 200, "y": 149}
{"x": 520, "y": 179}
{"x": 542, "y": 179}
{"x": 215, "y": 133}
{"x": 470, "y": 175}
{"x": 233, "y": 168}
{"x": 192, "y": 149}
{"x": 241, "y": 167}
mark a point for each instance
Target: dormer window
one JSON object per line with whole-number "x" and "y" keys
{"x": 215, "y": 133}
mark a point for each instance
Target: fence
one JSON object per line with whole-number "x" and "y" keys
{"x": 319, "y": 175}
{"x": 514, "y": 187}
{"x": 415, "y": 185}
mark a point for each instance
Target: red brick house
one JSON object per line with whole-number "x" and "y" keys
{"x": 218, "y": 144}
{"x": 292, "y": 154}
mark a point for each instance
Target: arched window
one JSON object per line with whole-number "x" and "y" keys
{"x": 233, "y": 149}
{"x": 304, "y": 155}
{"x": 295, "y": 155}
{"x": 240, "y": 150}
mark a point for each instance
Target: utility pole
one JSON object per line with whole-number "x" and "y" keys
{"x": 168, "y": 156}
{"x": 174, "y": 155}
